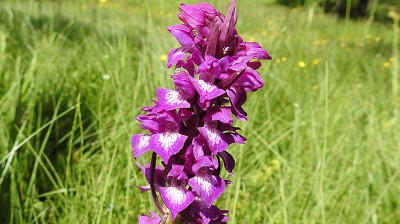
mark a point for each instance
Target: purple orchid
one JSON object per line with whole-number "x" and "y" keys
{"x": 190, "y": 127}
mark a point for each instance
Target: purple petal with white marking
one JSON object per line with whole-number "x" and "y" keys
{"x": 140, "y": 144}
{"x": 214, "y": 138}
{"x": 207, "y": 91}
{"x": 174, "y": 56}
{"x": 170, "y": 100}
{"x": 167, "y": 144}
{"x": 208, "y": 187}
{"x": 176, "y": 198}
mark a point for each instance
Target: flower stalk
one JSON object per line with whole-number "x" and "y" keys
{"x": 191, "y": 127}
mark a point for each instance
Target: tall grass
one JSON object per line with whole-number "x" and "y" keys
{"x": 323, "y": 144}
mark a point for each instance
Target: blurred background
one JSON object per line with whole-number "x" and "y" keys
{"x": 323, "y": 135}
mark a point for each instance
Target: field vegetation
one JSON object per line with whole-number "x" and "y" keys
{"x": 323, "y": 135}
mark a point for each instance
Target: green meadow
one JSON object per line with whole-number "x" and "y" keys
{"x": 323, "y": 134}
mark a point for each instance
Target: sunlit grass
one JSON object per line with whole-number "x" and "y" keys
{"x": 323, "y": 135}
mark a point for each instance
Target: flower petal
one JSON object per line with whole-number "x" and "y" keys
{"x": 170, "y": 100}
{"x": 147, "y": 219}
{"x": 208, "y": 187}
{"x": 201, "y": 17}
{"x": 216, "y": 113}
{"x": 229, "y": 162}
{"x": 198, "y": 212}
{"x": 144, "y": 188}
{"x": 253, "y": 50}
{"x": 177, "y": 172}
{"x": 214, "y": 138}
{"x": 176, "y": 198}
{"x": 205, "y": 162}
{"x": 207, "y": 91}
{"x": 181, "y": 81}
{"x": 238, "y": 97}
{"x": 167, "y": 144}
{"x": 174, "y": 56}
{"x": 226, "y": 36}
{"x": 183, "y": 34}
{"x": 250, "y": 80}
{"x": 140, "y": 144}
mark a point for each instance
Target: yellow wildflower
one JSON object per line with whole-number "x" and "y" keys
{"x": 164, "y": 57}
{"x": 284, "y": 59}
{"x": 392, "y": 59}
{"x": 386, "y": 64}
{"x": 102, "y": 1}
{"x": 378, "y": 38}
{"x": 315, "y": 61}
{"x": 301, "y": 64}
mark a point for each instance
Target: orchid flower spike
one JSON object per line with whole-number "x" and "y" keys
{"x": 191, "y": 127}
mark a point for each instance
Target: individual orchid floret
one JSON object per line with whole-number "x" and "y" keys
{"x": 170, "y": 100}
{"x": 200, "y": 17}
{"x": 191, "y": 127}
{"x": 176, "y": 196}
{"x": 214, "y": 137}
{"x": 205, "y": 184}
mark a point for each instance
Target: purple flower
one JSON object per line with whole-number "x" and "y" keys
{"x": 190, "y": 127}
{"x": 207, "y": 185}
{"x": 147, "y": 219}
{"x": 176, "y": 196}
